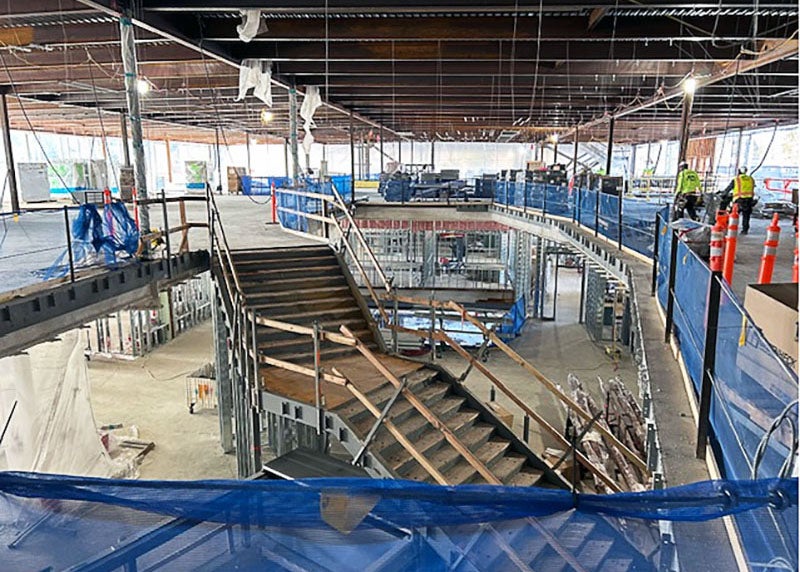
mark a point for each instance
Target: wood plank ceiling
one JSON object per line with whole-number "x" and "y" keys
{"x": 451, "y": 70}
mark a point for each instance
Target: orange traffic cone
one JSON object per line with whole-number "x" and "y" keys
{"x": 730, "y": 244}
{"x": 770, "y": 251}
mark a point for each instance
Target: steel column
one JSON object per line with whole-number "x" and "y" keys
{"x": 286, "y": 156}
{"x": 380, "y": 143}
{"x": 12, "y": 175}
{"x": 686, "y": 113}
{"x": 223, "y": 376}
{"x": 352, "y": 162}
{"x": 247, "y": 145}
{"x": 132, "y": 95}
{"x": 610, "y": 150}
{"x": 433, "y": 145}
{"x": 293, "y": 134}
{"x": 123, "y": 134}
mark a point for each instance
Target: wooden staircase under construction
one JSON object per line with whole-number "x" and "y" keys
{"x": 435, "y": 430}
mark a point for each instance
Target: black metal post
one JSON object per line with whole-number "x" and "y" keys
{"x": 12, "y": 175}
{"x": 166, "y": 233}
{"x": 526, "y": 428}
{"x": 654, "y": 280}
{"x": 597, "y": 211}
{"x": 673, "y": 262}
{"x": 709, "y": 362}
{"x": 544, "y": 199}
{"x": 583, "y": 292}
{"x": 610, "y": 150}
{"x": 123, "y": 135}
{"x": 69, "y": 245}
{"x": 619, "y": 218}
{"x": 352, "y": 162}
{"x": 380, "y": 143}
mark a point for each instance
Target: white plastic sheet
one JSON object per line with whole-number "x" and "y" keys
{"x": 250, "y": 26}
{"x": 52, "y": 429}
{"x": 311, "y": 102}
{"x": 256, "y": 74}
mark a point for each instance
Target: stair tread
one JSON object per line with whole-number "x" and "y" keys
{"x": 526, "y": 477}
{"x": 348, "y": 309}
{"x": 302, "y": 279}
{"x": 301, "y": 357}
{"x": 298, "y": 340}
{"x": 293, "y": 303}
{"x": 321, "y": 258}
{"x": 508, "y": 466}
{"x": 267, "y": 271}
{"x": 299, "y": 292}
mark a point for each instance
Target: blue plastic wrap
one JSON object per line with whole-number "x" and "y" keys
{"x": 55, "y": 522}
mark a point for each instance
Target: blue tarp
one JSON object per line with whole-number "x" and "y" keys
{"x": 54, "y": 522}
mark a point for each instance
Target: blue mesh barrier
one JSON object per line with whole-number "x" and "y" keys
{"x": 608, "y": 219}
{"x": 587, "y": 208}
{"x": 262, "y": 185}
{"x": 56, "y": 522}
{"x": 558, "y": 201}
{"x": 344, "y": 185}
{"x": 536, "y": 196}
{"x": 751, "y": 387}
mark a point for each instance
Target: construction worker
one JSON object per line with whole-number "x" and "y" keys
{"x": 687, "y": 190}
{"x": 743, "y": 187}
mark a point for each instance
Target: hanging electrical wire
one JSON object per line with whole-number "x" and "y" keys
{"x": 103, "y": 138}
{"x": 766, "y": 151}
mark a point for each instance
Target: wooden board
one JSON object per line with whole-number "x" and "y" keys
{"x": 355, "y": 367}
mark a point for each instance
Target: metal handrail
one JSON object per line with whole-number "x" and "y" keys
{"x": 226, "y": 251}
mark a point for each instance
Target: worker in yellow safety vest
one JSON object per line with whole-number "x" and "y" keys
{"x": 744, "y": 191}
{"x": 687, "y": 191}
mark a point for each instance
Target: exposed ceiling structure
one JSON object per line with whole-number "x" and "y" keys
{"x": 450, "y": 70}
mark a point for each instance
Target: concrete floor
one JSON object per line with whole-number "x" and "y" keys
{"x": 556, "y": 348}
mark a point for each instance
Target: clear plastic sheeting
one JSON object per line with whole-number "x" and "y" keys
{"x": 45, "y": 403}
{"x": 356, "y": 524}
{"x": 250, "y": 26}
{"x": 256, "y": 74}
{"x": 311, "y": 101}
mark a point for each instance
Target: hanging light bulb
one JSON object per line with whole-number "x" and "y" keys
{"x": 142, "y": 86}
{"x": 689, "y": 85}
{"x": 266, "y": 116}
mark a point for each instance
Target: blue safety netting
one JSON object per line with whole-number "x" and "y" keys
{"x": 98, "y": 238}
{"x": 58, "y": 522}
{"x": 638, "y": 215}
{"x": 294, "y": 206}
{"x": 343, "y": 184}
{"x": 263, "y": 185}
{"x": 751, "y": 388}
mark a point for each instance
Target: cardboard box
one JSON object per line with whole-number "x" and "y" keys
{"x": 773, "y": 308}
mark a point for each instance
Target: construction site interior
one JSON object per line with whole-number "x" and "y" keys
{"x": 338, "y": 285}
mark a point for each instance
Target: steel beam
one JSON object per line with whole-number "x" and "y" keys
{"x": 9, "y": 151}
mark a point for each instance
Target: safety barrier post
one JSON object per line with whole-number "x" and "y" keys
{"x": 596, "y": 212}
{"x": 730, "y": 244}
{"x": 770, "y": 250}
{"x": 654, "y": 280}
{"x": 795, "y": 269}
{"x": 69, "y": 245}
{"x": 619, "y": 220}
{"x": 710, "y": 344}
{"x": 135, "y": 208}
{"x": 166, "y": 233}
{"x": 274, "y": 204}
{"x": 673, "y": 263}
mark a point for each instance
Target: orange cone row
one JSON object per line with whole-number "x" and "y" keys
{"x": 770, "y": 252}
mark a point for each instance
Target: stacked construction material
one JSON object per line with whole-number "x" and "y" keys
{"x": 623, "y": 417}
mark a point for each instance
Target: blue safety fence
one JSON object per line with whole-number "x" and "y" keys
{"x": 293, "y": 205}
{"x": 638, "y": 215}
{"x": 263, "y": 185}
{"x": 751, "y": 387}
{"x": 343, "y": 184}
{"x": 56, "y": 522}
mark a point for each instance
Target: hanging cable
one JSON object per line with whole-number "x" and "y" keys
{"x": 766, "y": 151}
{"x": 788, "y": 464}
{"x": 103, "y": 138}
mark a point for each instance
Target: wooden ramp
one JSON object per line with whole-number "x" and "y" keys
{"x": 446, "y": 434}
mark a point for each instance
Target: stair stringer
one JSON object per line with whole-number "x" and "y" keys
{"x": 488, "y": 416}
